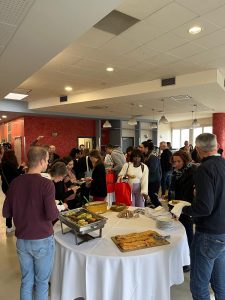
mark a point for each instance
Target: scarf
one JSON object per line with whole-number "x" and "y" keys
{"x": 179, "y": 173}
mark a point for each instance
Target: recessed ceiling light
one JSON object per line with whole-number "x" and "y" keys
{"x": 140, "y": 105}
{"x": 110, "y": 69}
{"x": 68, "y": 88}
{"x": 195, "y": 30}
{"x": 4, "y": 116}
{"x": 15, "y": 96}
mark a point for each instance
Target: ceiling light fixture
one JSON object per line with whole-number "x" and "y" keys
{"x": 195, "y": 30}
{"x": 195, "y": 122}
{"x": 132, "y": 121}
{"x": 4, "y": 117}
{"x": 68, "y": 88}
{"x": 107, "y": 124}
{"x": 110, "y": 69}
{"x": 15, "y": 96}
{"x": 163, "y": 119}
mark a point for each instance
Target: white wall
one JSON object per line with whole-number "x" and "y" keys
{"x": 187, "y": 123}
{"x": 146, "y": 132}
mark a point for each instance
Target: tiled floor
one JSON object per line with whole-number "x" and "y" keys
{"x": 10, "y": 274}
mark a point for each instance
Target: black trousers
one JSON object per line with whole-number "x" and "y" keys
{"x": 153, "y": 190}
{"x": 188, "y": 225}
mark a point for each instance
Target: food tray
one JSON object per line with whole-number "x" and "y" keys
{"x": 79, "y": 229}
{"x": 155, "y": 240}
{"x": 98, "y": 207}
{"x": 118, "y": 207}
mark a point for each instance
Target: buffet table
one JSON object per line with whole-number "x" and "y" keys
{"x": 98, "y": 270}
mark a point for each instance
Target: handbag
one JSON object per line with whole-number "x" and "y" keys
{"x": 123, "y": 192}
{"x": 110, "y": 181}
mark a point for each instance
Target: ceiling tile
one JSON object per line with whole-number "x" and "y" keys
{"x": 171, "y": 16}
{"x": 119, "y": 46}
{"x": 217, "y": 63}
{"x": 140, "y": 9}
{"x": 212, "y": 40}
{"x": 164, "y": 59}
{"x": 6, "y": 32}
{"x": 166, "y": 42}
{"x": 207, "y": 28}
{"x": 1, "y": 49}
{"x": 187, "y": 50}
{"x": 13, "y": 11}
{"x": 142, "y": 53}
{"x": 143, "y": 32}
{"x": 143, "y": 67}
{"x": 95, "y": 38}
{"x": 207, "y": 56}
{"x": 217, "y": 16}
{"x": 200, "y": 7}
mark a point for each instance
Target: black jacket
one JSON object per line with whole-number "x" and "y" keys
{"x": 208, "y": 207}
{"x": 183, "y": 187}
{"x": 60, "y": 191}
{"x": 8, "y": 172}
{"x": 98, "y": 184}
{"x": 165, "y": 159}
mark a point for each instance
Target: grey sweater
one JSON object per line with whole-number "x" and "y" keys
{"x": 118, "y": 159}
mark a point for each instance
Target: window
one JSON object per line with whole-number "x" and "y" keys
{"x": 207, "y": 129}
{"x": 184, "y": 136}
{"x": 176, "y": 138}
{"x": 196, "y": 132}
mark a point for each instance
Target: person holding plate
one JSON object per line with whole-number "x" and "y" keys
{"x": 182, "y": 188}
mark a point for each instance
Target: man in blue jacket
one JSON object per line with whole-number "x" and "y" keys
{"x": 208, "y": 210}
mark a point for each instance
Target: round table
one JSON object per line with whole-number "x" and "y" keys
{"x": 98, "y": 270}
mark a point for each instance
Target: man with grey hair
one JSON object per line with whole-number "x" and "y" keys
{"x": 208, "y": 209}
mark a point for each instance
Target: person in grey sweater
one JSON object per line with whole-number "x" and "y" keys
{"x": 117, "y": 156}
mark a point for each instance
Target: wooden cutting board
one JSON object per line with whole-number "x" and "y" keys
{"x": 139, "y": 240}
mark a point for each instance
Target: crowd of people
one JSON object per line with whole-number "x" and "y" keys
{"x": 50, "y": 184}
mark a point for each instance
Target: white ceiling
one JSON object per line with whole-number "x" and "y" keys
{"x": 46, "y": 45}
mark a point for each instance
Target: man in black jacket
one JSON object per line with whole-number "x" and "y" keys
{"x": 166, "y": 167}
{"x": 208, "y": 209}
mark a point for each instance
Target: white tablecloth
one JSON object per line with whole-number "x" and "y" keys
{"x": 97, "y": 270}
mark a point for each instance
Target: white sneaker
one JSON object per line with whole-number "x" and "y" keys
{"x": 10, "y": 229}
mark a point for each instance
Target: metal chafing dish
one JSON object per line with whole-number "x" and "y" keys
{"x": 82, "y": 231}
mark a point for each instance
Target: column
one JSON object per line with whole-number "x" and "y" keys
{"x": 219, "y": 129}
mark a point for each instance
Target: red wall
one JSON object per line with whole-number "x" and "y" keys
{"x": 68, "y": 131}
{"x": 219, "y": 129}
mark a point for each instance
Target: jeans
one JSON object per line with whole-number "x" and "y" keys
{"x": 36, "y": 262}
{"x": 207, "y": 266}
{"x": 137, "y": 198}
{"x": 165, "y": 181}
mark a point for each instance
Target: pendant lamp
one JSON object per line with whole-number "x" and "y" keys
{"x": 163, "y": 119}
{"x": 107, "y": 124}
{"x": 195, "y": 122}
